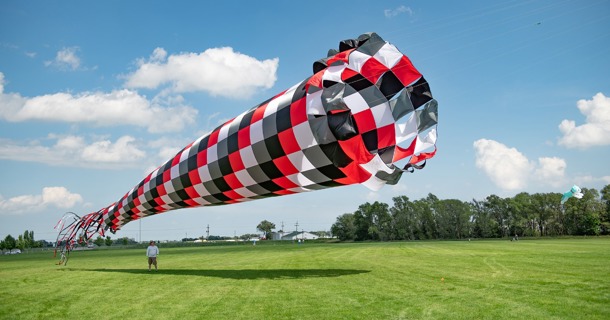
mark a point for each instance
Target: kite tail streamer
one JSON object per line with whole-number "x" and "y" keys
{"x": 73, "y": 230}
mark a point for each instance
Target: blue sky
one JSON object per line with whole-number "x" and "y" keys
{"x": 96, "y": 94}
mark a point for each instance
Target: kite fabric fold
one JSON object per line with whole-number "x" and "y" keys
{"x": 338, "y": 127}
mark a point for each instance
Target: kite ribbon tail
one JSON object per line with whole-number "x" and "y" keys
{"x": 74, "y": 229}
{"x": 415, "y": 159}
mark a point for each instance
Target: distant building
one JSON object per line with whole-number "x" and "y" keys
{"x": 295, "y": 235}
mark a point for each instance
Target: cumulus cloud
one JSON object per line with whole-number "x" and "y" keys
{"x": 218, "y": 71}
{"x": 66, "y": 59}
{"x": 58, "y": 197}
{"x": 584, "y": 180}
{"x": 506, "y": 167}
{"x": 372, "y": 196}
{"x": 510, "y": 169}
{"x": 76, "y": 152}
{"x": 551, "y": 170}
{"x": 390, "y": 13}
{"x": 119, "y": 107}
{"x": 106, "y": 151}
{"x": 596, "y": 129}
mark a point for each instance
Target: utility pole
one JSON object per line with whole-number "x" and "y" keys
{"x": 207, "y": 232}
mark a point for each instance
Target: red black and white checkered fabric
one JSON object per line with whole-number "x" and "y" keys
{"x": 338, "y": 127}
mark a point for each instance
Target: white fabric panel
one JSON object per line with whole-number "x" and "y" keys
{"x": 256, "y": 132}
{"x": 356, "y": 103}
{"x": 304, "y": 136}
{"x": 314, "y": 103}
{"x": 382, "y": 114}
{"x": 407, "y": 130}
{"x": 247, "y": 157}
{"x": 426, "y": 142}
{"x": 333, "y": 73}
{"x": 388, "y": 55}
{"x": 357, "y": 60}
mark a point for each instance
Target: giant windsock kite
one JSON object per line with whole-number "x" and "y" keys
{"x": 364, "y": 109}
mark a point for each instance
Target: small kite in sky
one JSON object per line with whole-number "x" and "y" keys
{"x": 364, "y": 109}
{"x": 574, "y": 192}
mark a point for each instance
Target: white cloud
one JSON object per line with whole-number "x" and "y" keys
{"x": 390, "y": 13}
{"x": 158, "y": 56}
{"x": 583, "y": 180}
{"x": 119, "y": 107}
{"x": 551, "y": 171}
{"x": 596, "y": 129}
{"x": 506, "y": 167}
{"x": 372, "y": 196}
{"x": 167, "y": 153}
{"x": 58, "y": 197}
{"x": 510, "y": 169}
{"x": 219, "y": 71}
{"x": 76, "y": 152}
{"x": 108, "y": 152}
{"x": 66, "y": 59}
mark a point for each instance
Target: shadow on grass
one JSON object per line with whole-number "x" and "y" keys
{"x": 241, "y": 273}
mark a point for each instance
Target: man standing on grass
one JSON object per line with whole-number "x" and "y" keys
{"x": 151, "y": 252}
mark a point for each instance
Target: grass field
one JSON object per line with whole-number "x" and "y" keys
{"x": 528, "y": 279}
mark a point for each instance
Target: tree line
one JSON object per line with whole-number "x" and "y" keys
{"x": 24, "y": 241}
{"x": 536, "y": 215}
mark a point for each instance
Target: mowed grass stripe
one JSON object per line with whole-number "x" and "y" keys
{"x": 534, "y": 279}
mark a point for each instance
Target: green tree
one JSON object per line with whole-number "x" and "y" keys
{"x": 249, "y": 236}
{"x": 484, "y": 226}
{"x": 344, "y": 228}
{"x": 33, "y": 242}
{"x": 498, "y": 209}
{"x": 605, "y": 217}
{"x": 373, "y": 221}
{"x": 265, "y": 227}
{"x": 427, "y": 223}
{"x": 583, "y": 215}
{"x": 10, "y": 243}
{"x": 99, "y": 241}
{"x": 28, "y": 239}
{"x": 404, "y": 219}
{"x": 521, "y": 215}
{"x": 108, "y": 241}
{"x": 453, "y": 218}
{"x": 594, "y": 211}
{"x": 21, "y": 245}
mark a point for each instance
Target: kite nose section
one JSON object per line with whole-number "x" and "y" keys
{"x": 369, "y": 107}
{"x": 416, "y": 131}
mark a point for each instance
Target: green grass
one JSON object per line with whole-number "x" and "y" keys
{"x": 528, "y": 279}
